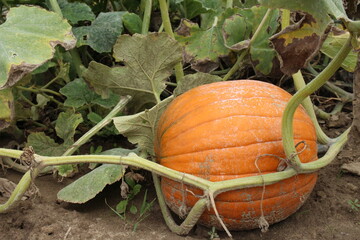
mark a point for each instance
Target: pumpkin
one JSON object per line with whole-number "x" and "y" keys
{"x": 217, "y": 131}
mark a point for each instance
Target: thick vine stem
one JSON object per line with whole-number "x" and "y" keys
{"x": 179, "y": 73}
{"x": 298, "y": 98}
{"x": 299, "y": 83}
{"x": 190, "y": 220}
{"x": 146, "y": 18}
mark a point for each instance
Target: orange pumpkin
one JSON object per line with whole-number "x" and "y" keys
{"x": 217, "y": 131}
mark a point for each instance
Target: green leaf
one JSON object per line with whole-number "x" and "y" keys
{"x": 133, "y": 209}
{"x": 6, "y": 108}
{"x": 67, "y": 170}
{"x": 103, "y": 32}
{"x": 66, "y": 124}
{"x": 44, "y": 145}
{"x": 193, "y": 8}
{"x": 76, "y": 11}
{"x": 194, "y": 80}
{"x": 89, "y": 185}
{"x": 261, "y": 53}
{"x": 121, "y": 206}
{"x": 332, "y": 45}
{"x": 236, "y": 29}
{"x": 148, "y": 60}
{"x": 27, "y": 40}
{"x": 204, "y": 47}
{"x": 132, "y": 22}
{"x": 140, "y": 128}
{"x": 79, "y": 94}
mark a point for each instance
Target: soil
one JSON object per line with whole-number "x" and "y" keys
{"x": 327, "y": 214}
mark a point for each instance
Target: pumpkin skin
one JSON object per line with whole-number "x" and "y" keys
{"x": 217, "y": 131}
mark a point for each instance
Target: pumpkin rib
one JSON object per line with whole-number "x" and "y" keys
{"x": 210, "y": 149}
{"x": 189, "y": 113}
{"x": 219, "y": 119}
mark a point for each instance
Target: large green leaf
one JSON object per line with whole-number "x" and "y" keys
{"x": 6, "y": 108}
{"x": 298, "y": 43}
{"x": 27, "y": 40}
{"x": 76, "y": 11}
{"x": 89, "y": 185}
{"x": 101, "y": 35}
{"x": 149, "y": 60}
{"x": 140, "y": 128}
{"x": 204, "y": 47}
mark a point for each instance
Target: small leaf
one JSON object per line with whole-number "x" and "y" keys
{"x": 27, "y": 39}
{"x": 67, "y": 170}
{"x": 194, "y": 80}
{"x": 6, "y": 108}
{"x": 66, "y": 124}
{"x": 140, "y": 128}
{"x": 132, "y": 22}
{"x": 44, "y": 145}
{"x": 133, "y": 209}
{"x": 149, "y": 61}
{"x": 121, "y": 206}
{"x": 76, "y": 11}
{"x": 103, "y": 32}
{"x": 332, "y": 44}
{"x": 79, "y": 94}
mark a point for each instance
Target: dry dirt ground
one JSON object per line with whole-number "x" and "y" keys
{"x": 326, "y": 215}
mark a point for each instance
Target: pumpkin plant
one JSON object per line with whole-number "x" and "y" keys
{"x": 231, "y": 154}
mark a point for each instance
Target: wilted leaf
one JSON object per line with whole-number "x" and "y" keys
{"x": 89, "y": 185}
{"x": 332, "y": 45}
{"x": 6, "y": 108}
{"x": 44, "y": 145}
{"x": 76, "y": 11}
{"x": 103, "y": 32}
{"x": 132, "y": 22}
{"x": 140, "y": 128}
{"x": 66, "y": 124}
{"x": 193, "y": 80}
{"x": 298, "y": 43}
{"x": 79, "y": 94}
{"x": 149, "y": 61}
{"x": 27, "y": 40}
